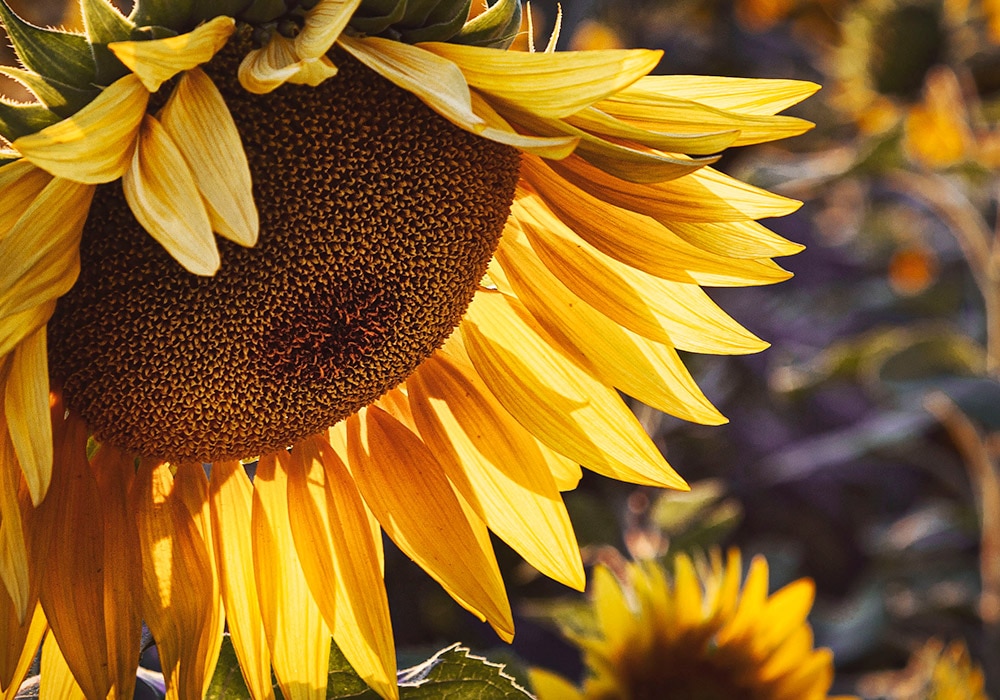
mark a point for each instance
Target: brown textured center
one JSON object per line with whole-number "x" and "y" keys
{"x": 378, "y": 219}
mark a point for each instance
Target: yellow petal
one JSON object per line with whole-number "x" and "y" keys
{"x": 554, "y": 398}
{"x": 94, "y": 145}
{"x": 323, "y": 24}
{"x": 200, "y": 125}
{"x": 13, "y": 552}
{"x": 21, "y": 182}
{"x": 337, "y": 436}
{"x": 496, "y": 465}
{"x": 673, "y": 313}
{"x": 231, "y": 499}
{"x": 161, "y": 191}
{"x": 14, "y": 328}
{"x": 297, "y": 636}
{"x": 26, "y": 404}
{"x": 650, "y": 372}
{"x": 649, "y": 246}
{"x": 422, "y": 514}
{"x": 159, "y": 60}
{"x": 436, "y": 81}
{"x": 549, "y": 686}
{"x": 785, "y": 611}
{"x": 181, "y": 603}
{"x": 548, "y": 84}
{"x": 276, "y": 63}
{"x": 340, "y": 561}
{"x": 760, "y": 96}
{"x": 499, "y": 130}
{"x": 21, "y": 640}
{"x": 57, "y": 682}
{"x": 750, "y": 606}
{"x": 67, "y": 550}
{"x": 594, "y": 121}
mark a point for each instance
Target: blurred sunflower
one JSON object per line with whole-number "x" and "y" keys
{"x": 935, "y": 672}
{"x": 696, "y": 634}
{"x": 360, "y": 161}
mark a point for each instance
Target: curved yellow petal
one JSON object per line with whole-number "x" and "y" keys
{"x": 156, "y": 61}
{"x": 499, "y": 130}
{"x": 200, "y": 125}
{"x": 21, "y": 641}
{"x": 673, "y": 313}
{"x": 555, "y": 398}
{"x": 436, "y": 81}
{"x": 650, "y": 372}
{"x": 161, "y": 191}
{"x": 594, "y": 121}
{"x": 15, "y": 327}
{"x": 760, "y": 96}
{"x": 231, "y": 501}
{"x": 323, "y": 24}
{"x": 14, "y": 572}
{"x": 547, "y": 84}
{"x": 26, "y": 408}
{"x": 297, "y": 636}
{"x": 784, "y": 612}
{"x": 21, "y": 182}
{"x": 340, "y": 561}
{"x": 181, "y": 603}
{"x": 94, "y": 145}
{"x": 57, "y": 682}
{"x": 267, "y": 68}
{"x": 422, "y": 514}
{"x": 497, "y": 466}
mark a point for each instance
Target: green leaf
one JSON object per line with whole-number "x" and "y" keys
{"x": 343, "y": 683}
{"x": 63, "y": 99}
{"x": 375, "y": 16}
{"x": 104, "y": 24}
{"x": 52, "y": 53}
{"x": 263, "y": 11}
{"x": 442, "y": 24}
{"x": 456, "y": 674}
{"x": 17, "y": 120}
{"x": 175, "y": 14}
{"x": 500, "y": 23}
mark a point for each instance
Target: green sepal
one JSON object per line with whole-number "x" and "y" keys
{"x": 150, "y": 32}
{"x": 17, "y": 119}
{"x": 105, "y": 24}
{"x": 210, "y": 10}
{"x": 496, "y": 27}
{"x": 417, "y": 11}
{"x": 65, "y": 100}
{"x": 175, "y": 14}
{"x": 375, "y": 16}
{"x": 263, "y": 11}
{"x": 52, "y": 53}
{"x": 442, "y": 24}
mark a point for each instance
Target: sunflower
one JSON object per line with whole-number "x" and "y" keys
{"x": 436, "y": 263}
{"x": 935, "y": 672}
{"x": 696, "y": 634}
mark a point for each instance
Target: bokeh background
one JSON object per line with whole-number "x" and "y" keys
{"x": 864, "y": 446}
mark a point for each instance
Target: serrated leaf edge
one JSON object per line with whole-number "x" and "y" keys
{"x": 428, "y": 665}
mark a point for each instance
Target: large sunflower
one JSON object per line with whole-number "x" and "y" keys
{"x": 360, "y": 161}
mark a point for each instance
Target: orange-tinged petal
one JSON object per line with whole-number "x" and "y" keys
{"x": 555, "y": 398}
{"x": 20, "y": 183}
{"x": 496, "y": 465}
{"x": 340, "y": 561}
{"x": 548, "y": 84}
{"x": 14, "y": 572}
{"x": 26, "y": 405}
{"x": 156, "y": 61}
{"x": 21, "y": 640}
{"x": 67, "y": 553}
{"x": 297, "y": 636}
{"x": 94, "y": 145}
{"x": 181, "y": 603}
{"x": 200, "y": 125}
{"x": 436, "y": 81}
{"x": 422, "y": 514}
{"x": 323, "y": 24}
{"x": 57, "y": 682}
{"x": 161, "y": 191}
{"x": 231, "y": 501}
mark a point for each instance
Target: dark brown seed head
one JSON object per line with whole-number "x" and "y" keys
{"x": 378, "y": 219}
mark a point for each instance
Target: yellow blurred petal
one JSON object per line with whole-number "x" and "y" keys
{"x": 673, "y": 313}
{"x": 67, "y": 550}
{"x": 548, "y": 84}
{"x": 200, "y": 125}
{"x": 703, "y": 196}
{"x": 297, "y": 636}
{"x": 649, "y": 246}
{"x": 549, "y": 686}
{"x": 26, "y": 404}
{"x": 161, "y": 191}
{"x": 159, "y": 60}
{"x": 323, "y": 24}
{"x": 499, "y": 130}
{"x": 751, "y": 604}
{"x": 757, "y": 96}
{"x": 650, "y": 372}
{"x": 556, "y": 399}
{"x": 20, "y": 183}
{"x": 14, "y": 565}
{"x": 94, "y": 145}
{"x": 231, "y": 501}
{"x": 687, "y": 595}
{"x": 340, "y": 562}
{"x": 423, "y": 516}
{"x": 436, "y": 81}
{"x": 614, "y": 615}
{"x": 57, "y": 681}
{"x": 785, "y": 611}
{"x": 41, "y": 251}
{"x": 496, "y": 465}
{"x": 21, "y": 640}
{"x": 181, "y": 603}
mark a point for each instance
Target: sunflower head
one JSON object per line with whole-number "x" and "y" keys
{"x": 696, "y": 634}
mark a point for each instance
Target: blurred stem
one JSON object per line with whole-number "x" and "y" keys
{"x": 982, "y": 460}
{"x": 979, "y": 244}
